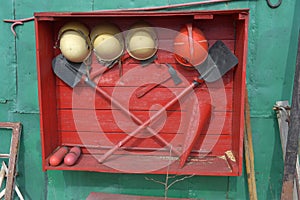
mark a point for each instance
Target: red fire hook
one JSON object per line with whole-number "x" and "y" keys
{"x": 17, "y": 22}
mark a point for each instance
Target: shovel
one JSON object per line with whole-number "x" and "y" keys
{"x": 220, "y": 61}
{"x": 73, "y": 73}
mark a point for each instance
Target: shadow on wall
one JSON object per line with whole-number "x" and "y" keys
{"x": 73, "y": 185}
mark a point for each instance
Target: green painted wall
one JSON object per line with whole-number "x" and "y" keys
{"x": 271, "y": 62}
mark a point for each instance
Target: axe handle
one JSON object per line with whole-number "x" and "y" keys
{"x": 162, "y": 78}
{"x": 99, "y": 72}
{"x": 145, "y": 124}
{"x": 137, "y": 120}
{"x": 144, "y": 90}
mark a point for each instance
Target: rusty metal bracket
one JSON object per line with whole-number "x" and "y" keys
{"x": 14, "y": 147}
{"x": 282, "y": 109}
{"x": 276, "y": 5}
{"x": 16, "y": 22}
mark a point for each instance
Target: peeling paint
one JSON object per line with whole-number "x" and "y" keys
{"x": 3, "y": 101}
{"x": 230, "y": 155}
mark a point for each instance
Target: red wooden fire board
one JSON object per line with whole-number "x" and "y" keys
{"x": 72, "y": 117}
{"x": 107, "y": 196}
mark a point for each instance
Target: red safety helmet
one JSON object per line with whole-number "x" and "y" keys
{"x": 190, "y": 46}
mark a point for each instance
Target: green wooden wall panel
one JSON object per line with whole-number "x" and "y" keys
{"x": 290, "y": 64}
{"x": 268, "y": 157}
{"x": 26, "y": 8}
{"x": 62, "y": 185}
{"x": 5, "y": 109}
{"x": 26, "y": 68}
{"x": 27, "y": 101}
{"x": 120, "y": 4}
{"x": 7, "y": 54}
{"x": 267, "y": 66}
{"x": 31, "y": 179}
{"x": 238, "y": 187}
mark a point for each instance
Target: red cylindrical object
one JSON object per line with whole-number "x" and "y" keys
{"x": 73, "y": 155}
{"x": 205, "y": 113}
{"x": 58, "y": 156}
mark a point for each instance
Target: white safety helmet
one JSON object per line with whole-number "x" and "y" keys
{"x": 107, "y": 41}
{"x": 141, "y": 41}
{"x": 74, "y": 41}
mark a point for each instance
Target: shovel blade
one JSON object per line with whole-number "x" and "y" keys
{"x": 219, "y": 61}
{"x": 68, "y": 72}
{"x": 176, "y": 79}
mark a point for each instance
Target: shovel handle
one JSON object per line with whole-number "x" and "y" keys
{"x": 145, "y": 124}
{"x": 102, "y": 70}
{"x": 123, "y": 141}
{"x": 137, "y": 120}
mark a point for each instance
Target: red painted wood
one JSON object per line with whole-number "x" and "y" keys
{"x": 87, "y": 98}
{"x": 46, "y": 88}
{"x": 98, "y": 143}
{"x": 240, "y": 85}
{"x": 61, "y": 105}
{"x": 49, "y": 16}
{"x": 209, "y": 165}
{"x": 106, "y": 196}
{"x": 104, "y": 121}
{"x": 112, "y": 78}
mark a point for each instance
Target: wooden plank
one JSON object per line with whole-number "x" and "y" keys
{"x": 97, "y": 143}
{"x": 87, "y": 98}
{"x": 283, "y": 115}
{"x": 249, "y": 153}
{"x": 106, "y": 121}
{"x": 239, "y": 85}
{"x": 2, "y": 174}
{"x": 209, "y": 165}
{"x": 46, "y": 86}
{"x": 293, "y": 136}
{"x": 106, "y": 196}
{"x": 14, "y": 147}
{"x": 16, "y": 188}
{"x": 135, "y": 75}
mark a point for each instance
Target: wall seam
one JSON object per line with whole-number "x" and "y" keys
{"x": 15, "y": 60}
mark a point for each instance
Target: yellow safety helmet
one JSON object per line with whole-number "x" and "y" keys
{"x": 74, "y": 41}
{"x": 108, "y": 42}
{"x": 141, "y": 41}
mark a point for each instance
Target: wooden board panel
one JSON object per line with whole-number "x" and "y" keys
{"x": 107, "y": 122}
{"x": 106, "y": 196}
{"x": 75, "y": 113}
{"x": 87, "y": 98}
{"x": 98, "y": 143}
{"x": 148, "y": 73}
{"x": 209, "y": 165}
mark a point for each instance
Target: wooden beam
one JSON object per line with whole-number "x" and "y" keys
{"x": 293, "y": 136}
{"x": 14, "y": 147}
{"x": 249, "y": 153}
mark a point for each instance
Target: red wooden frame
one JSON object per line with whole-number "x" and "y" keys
{"x": 56, "y": 98}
